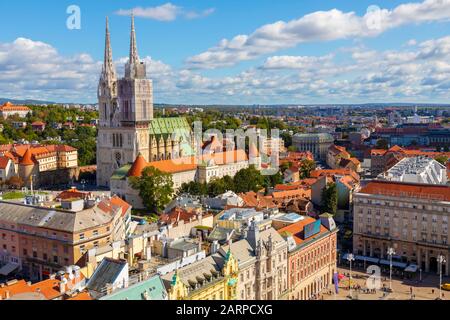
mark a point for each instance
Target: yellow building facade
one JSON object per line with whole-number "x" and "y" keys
{"x": 206, "y": 280}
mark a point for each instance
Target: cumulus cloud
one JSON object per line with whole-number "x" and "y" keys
{"x": 35, "y": 70}
{"x": 317, "y": 26}
{"x": 165, "y": 12}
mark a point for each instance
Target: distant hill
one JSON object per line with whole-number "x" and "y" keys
{"x": 28, "y": 101}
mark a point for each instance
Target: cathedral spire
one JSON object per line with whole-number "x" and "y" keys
{"x": 134, "y": 57}
{"x": 108, "y": 66}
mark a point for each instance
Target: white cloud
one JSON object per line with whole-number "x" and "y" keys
{"x": 297, "y": 62}
{"x": 35, "y": 70}
{"x": 165, "y": 12}
{"x": 317, "y": 26}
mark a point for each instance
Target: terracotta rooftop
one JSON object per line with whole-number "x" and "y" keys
{"x": 8, "y": 106}
{"x": 297, "y": 230}
{"x": 407, "y": 190}
{"x": 27, "y": 159}
{"x": 137, "y": 167}
{"x": 190, "y": 163}
{"x": 4, "y": 162}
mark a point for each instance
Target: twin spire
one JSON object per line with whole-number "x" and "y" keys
{"x": 134, "y": 57}
{"x": 108, "y": 65}
{"x": 109, "y": 71}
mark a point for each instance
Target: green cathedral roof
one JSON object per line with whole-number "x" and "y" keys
{"x": 166, "y": 126}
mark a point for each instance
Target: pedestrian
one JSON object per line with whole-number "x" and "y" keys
{"x": 432, "y": 291}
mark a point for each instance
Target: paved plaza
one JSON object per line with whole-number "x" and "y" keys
{"x": 427, "y": 289}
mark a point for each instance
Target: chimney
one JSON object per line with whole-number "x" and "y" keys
{"x": 62, "y": 286}
{"x": 77, "y": 273}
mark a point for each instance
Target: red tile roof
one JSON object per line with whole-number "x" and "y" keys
{"x": 297, "y": 230}
{"x": 256, "y": 200}
{"x": 137, "y": 167}
{"x": 4, "y": 162}
{"x": 191, "y": 163}
{"x": 8, "y": 106}
{"x": 407, "y": 190}
{"x": 27, "y": 158}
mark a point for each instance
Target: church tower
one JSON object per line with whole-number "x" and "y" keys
{"x": 126, "y": 109}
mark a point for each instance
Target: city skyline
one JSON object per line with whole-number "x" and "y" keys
{"x": 268, "y": 53}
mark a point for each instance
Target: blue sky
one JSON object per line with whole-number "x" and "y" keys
{"x": 252, "y": 51}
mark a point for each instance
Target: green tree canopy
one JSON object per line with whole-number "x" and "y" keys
{"x": 306, "y": 167}
{"x": 382, "y": 144}
{"x": 442, "y": 159}
{"x": 155, "y": 188}
{"x": 249, "y": 179}
{"x": 330, "y": 199}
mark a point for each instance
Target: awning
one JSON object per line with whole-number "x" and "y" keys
{"x": 394, "y": 263}
{"x": 8, "y": 268}
{"x": 367, "y": 259}
{"x": 411, "y": 268}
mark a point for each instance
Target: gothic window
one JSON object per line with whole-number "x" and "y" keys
{"x": 118, "y": 159}
{"x": 144, "y": 109}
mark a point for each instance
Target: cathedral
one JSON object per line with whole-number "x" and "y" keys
{"x": 126, "y": 126}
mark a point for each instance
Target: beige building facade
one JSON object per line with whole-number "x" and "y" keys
{"x": 411, "y": 218}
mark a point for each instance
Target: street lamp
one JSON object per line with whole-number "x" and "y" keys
{"x": 350, "y": 258}
{"x": 390, "y": 253}
{"x": 441, "y": 260}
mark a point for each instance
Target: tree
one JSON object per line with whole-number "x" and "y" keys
{"x": 155, "y": 188}
{"x": 442, "y": 159}
{"x": 15, "y": 182}
{"x": 194, "y": 188}
{"x": 330, "y": 199}
{"x": 249, "y": 179}
{"x": 306, "y": 167}
{"x": 382, "y": 144}
{"x": 216, "y": 187}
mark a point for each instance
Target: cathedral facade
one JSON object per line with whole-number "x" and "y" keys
{"x": 126, "y": 125}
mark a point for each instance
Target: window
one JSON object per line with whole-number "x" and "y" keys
{"x": 95, "y": 232}
{"x": 81, "y": 236}
{"x": 55, "y": 259}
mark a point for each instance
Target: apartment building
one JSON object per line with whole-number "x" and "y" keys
{"x": 411, "y": 218}
{"x": 40, "y": 241}
{"x": 312, "y": 248}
